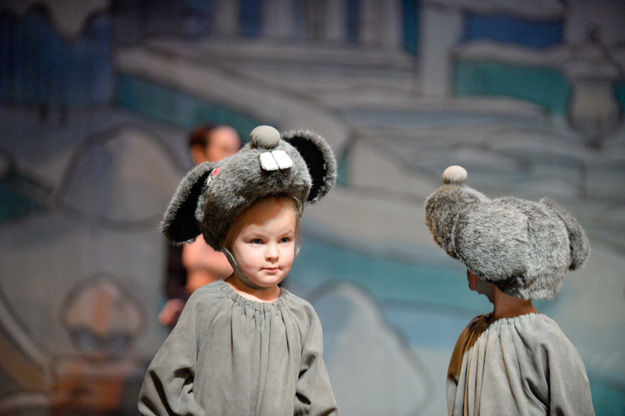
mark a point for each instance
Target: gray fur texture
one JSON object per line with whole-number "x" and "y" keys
{"x": 212, "y": 195}
{"x": 319, "y": 159}
{"x": 524, "y": 247}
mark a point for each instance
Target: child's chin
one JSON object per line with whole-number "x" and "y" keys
{"x": 269, "y": 281}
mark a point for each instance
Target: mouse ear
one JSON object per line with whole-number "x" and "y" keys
{"x": 319, "y": 159}
{"x": 578, "y": 242}
{"x": 179, "y": 223}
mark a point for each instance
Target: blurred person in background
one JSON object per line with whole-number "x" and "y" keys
{"x": 193, "y": 265}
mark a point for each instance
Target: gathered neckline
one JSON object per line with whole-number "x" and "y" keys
{"x": 514, "y": 319}
{"x": 235, "y": 296}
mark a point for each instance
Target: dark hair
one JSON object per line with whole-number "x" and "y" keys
{"x": 200, "y": 135}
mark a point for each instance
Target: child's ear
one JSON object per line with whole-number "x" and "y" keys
{"x": 179, "y": 223}
{"x": 319, "y": 159}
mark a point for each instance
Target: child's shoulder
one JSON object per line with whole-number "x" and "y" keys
{"x": 296, "y": 302}
{"x": 540, "y": 339}
{"x": 208, "y": 294}
{"x": 536, "y": 330}
{"x": 300, "y": 307}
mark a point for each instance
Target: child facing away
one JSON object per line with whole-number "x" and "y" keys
{"x": 514, "y": 360}
{"x": 245, "y": 346}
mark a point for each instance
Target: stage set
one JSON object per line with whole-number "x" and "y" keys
{"x": 97, "y": 98}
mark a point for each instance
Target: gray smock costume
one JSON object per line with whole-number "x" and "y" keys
{"x": 229, "y": 355}
{"x": 516, "y": 366}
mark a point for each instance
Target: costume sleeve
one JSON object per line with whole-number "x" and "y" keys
{"x": 168, "y": 384}
{"x": 569, "y": 390}
{"x": 314, "y": 394}
{"x": 468, "y": 337}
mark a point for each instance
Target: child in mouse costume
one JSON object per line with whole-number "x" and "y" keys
{"x": 512, "y": 361}
{"x": 245, "y": 346}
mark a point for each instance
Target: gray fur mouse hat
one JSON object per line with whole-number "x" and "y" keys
{"x": 299, "y": 163}
{"x": 524, "y": 247}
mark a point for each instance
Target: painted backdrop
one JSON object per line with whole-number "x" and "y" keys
{"x": 96, "y": 97}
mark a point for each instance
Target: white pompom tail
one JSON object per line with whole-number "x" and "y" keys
{"x": 455, "y": 175}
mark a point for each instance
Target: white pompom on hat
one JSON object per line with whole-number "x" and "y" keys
{"x": 455, "y": 175}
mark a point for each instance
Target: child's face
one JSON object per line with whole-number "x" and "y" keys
{"x": 264, "y": 246}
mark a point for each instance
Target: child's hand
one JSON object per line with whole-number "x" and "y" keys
{"x": 170, "y": 312}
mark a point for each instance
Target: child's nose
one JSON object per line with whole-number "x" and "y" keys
{"x": 271, "y": 251}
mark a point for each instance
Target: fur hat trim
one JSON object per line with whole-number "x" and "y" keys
{"x": 179, "y": 224}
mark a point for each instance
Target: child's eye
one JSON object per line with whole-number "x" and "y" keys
{"x": 256, "y": 241}
{"x": 285, "y": 239}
